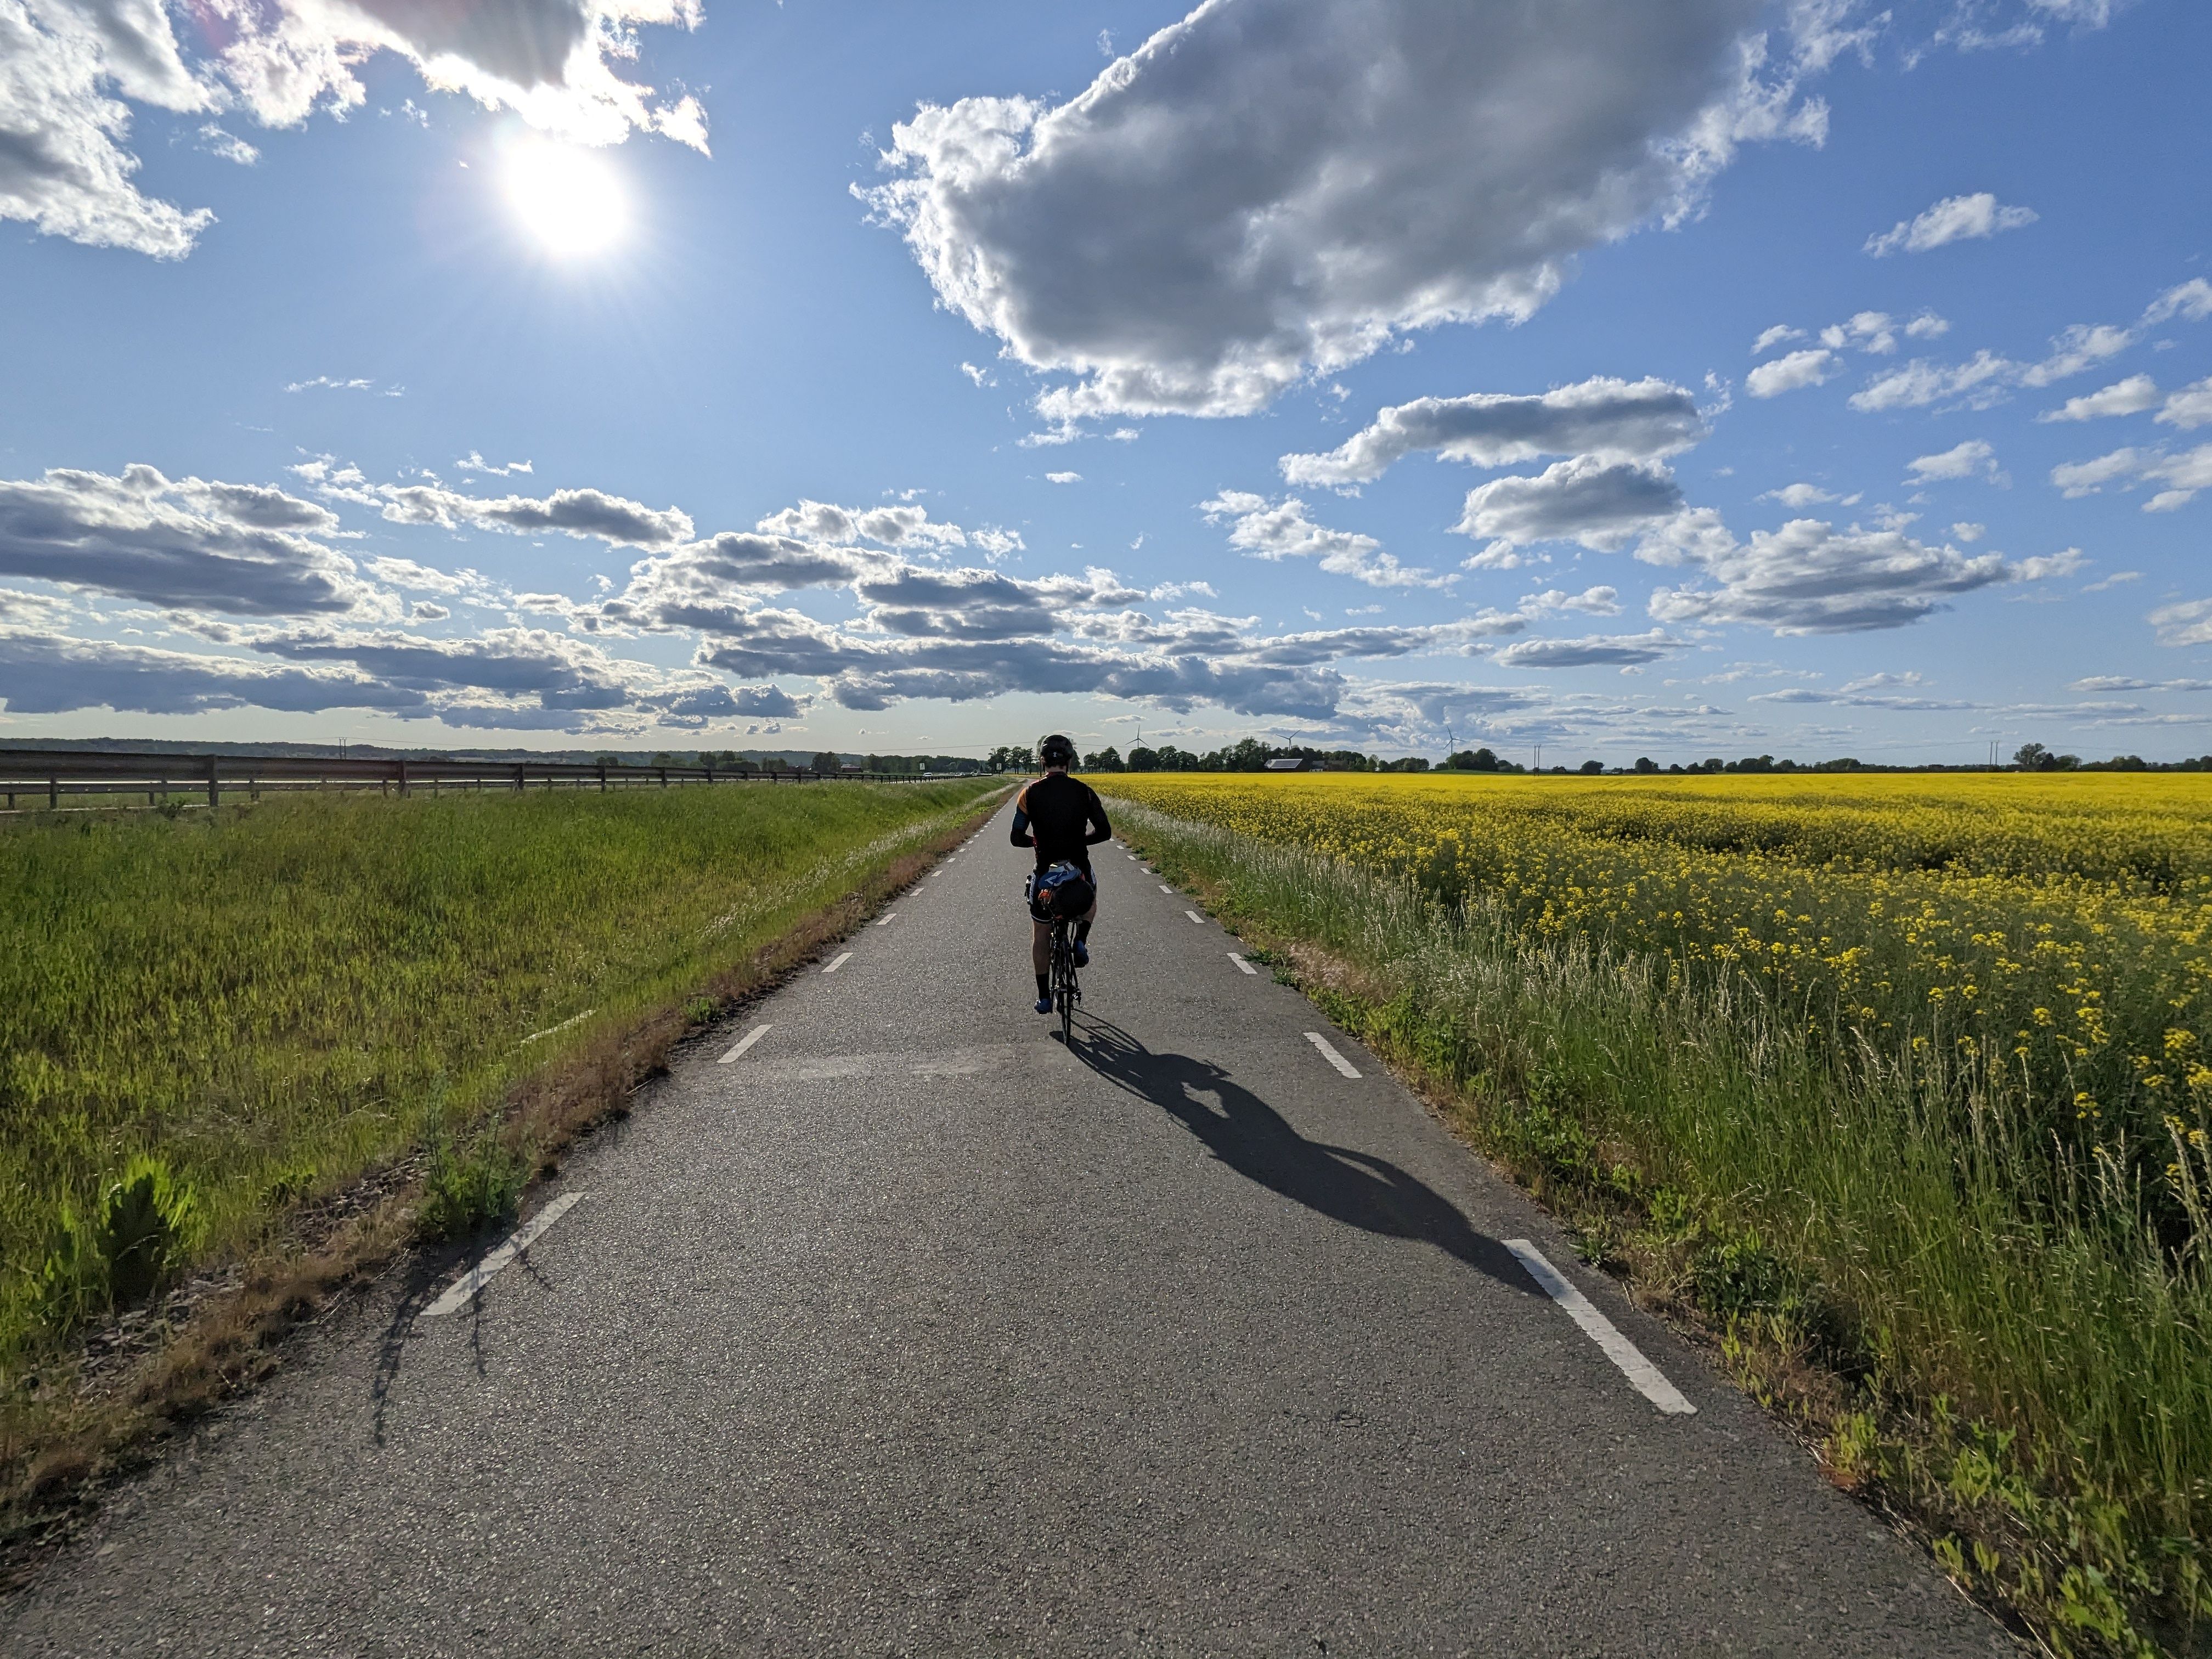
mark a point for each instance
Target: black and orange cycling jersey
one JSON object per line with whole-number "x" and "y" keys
{"x": 1063, "y": 819}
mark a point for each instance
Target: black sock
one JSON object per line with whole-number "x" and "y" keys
{"x": 1082, "y": 931}
{"x": 1044, "y": 987}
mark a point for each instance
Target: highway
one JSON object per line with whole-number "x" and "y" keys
{"x": 887, "y": 1325}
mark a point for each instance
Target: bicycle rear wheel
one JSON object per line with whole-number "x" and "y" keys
{"x": 1063, "y": 981}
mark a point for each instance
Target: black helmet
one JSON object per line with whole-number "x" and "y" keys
{"x": 1056, "y": 750}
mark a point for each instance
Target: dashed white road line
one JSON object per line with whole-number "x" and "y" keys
{"x": 1643, "y": 1375}
{"x": 1242, "y": 966}
{"x": 887, "y": 920}
{"x": 1164, "y": 888}
{"x": 841, "y": 959}
{"x": 1196, "y": 917}
{"x": 745, "y": 1042}
{"x": 459, "y": 1293}
{"x": 1328, "y": 1052}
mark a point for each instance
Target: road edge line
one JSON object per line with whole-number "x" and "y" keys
{"x": 465, "y": 1288}
{"x": 1643, "y": 1375}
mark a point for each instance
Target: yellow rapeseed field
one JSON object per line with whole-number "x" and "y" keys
{"x": 2058, "y": 928}
{"x": 1910, "y": 1073}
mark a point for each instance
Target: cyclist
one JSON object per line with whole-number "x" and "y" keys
{"x": 1063, "y": 819}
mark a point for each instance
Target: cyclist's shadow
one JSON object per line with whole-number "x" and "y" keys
{"x": 1253, "y": 1138}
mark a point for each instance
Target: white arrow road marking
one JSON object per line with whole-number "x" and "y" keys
{"x": 843, "y": 957}
{"x": 462, "y": 1289}
{"x": 745, "y": 1042}
{"x": 1242, "y": 966}
{"x": 1328, "y": 1052}
{"x": 1642, "y": 1374}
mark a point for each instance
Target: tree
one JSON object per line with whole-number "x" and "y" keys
{"x": 1593, "y": 767}
{"x": 1645, "y": 763}
{"x": 1142, "y": 759}
{"x": 826, "y": 764}
{"x": 1106, "y": 760}
{"x": 1475, "y": 760}
{"x": 2032, "y": 757}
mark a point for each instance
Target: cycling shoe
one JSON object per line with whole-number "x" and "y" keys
{"x": 1043, "y": 1005}
{"x": 1082, "y": 954}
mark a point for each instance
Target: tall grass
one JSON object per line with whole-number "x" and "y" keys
{"x": 2026, "y": 1361}
{"x": 208, "y": 1018}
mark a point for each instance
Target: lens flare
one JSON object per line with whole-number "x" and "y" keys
{"x": 567, "y": 197}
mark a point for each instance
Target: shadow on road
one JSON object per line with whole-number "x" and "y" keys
{"x": 1253, "y": 1138}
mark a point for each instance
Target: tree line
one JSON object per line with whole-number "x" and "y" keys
{"x": 1249, "y": 754}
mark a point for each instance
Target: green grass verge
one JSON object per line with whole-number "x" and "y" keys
{"x": 207, "y": 1020}
{"x": 2026, "y": 1381}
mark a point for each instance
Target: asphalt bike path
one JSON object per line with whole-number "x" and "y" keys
{"x": 887, "y": 1325}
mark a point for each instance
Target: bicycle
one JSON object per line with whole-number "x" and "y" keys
{"x": 1065, "y": 991}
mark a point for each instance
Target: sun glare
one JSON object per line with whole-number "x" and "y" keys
{"x": 568, "y": 198}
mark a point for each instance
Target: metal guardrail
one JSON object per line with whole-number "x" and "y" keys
{"x": 28, "y": 774}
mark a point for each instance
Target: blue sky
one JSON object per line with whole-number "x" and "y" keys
{"x": 1710, "y": 379}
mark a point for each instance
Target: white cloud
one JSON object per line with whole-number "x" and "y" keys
{"x": 577, "y": 513}
{"x": 1798, "y": 496}
{"x": 1980, "y": 381}
{"x": 195, "y": 547}
{"x": 70, "y": 70}
{"x": 2190, "y": 300}
{"x": 2047, "y": 565}
{"x": 893, "y": 526}
{"x": 48, "y": 674}
{"x": 1594, "y": 601}
{"x": 2184, "y": 474}
{"x": 65, "y": 71}
{"x": 1595, "y": 650}
{"x": 1774, "y": 337}
{"x": 2082, "y": 346}
{"x": 1962, "y": 460}
{"x": 31, "y": 610}
{"x": 1275, "y": 188}
{"x": 1968, "y": 531}
{"x": 1986, "y": 378}
{"x": 1799, "y": 368}
{"x": 227, "y": 146}
{"x": 1602, "y": 506}
{"x": 1063, "y": 477}
{"x": 1810, "y": 578}
{"x": 516, "y": 678}
{"x": 328, "y": 383}
{"x": 980, "y": 376}
{"x": 1615, "y": 420}
{"x": 1869, "y": 330}
{"x": 244, "y": 549}
{"x": 2189, "y": 622}
{"x": 475, "y": 462}
{"x": 1955, "y": 218}
{"x": 2189, "y": 408}
{"x": 1261, "y": 529}
{"x": 2129, "y": 397}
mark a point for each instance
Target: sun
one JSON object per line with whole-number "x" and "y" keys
{"x": 567, "y": 196}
